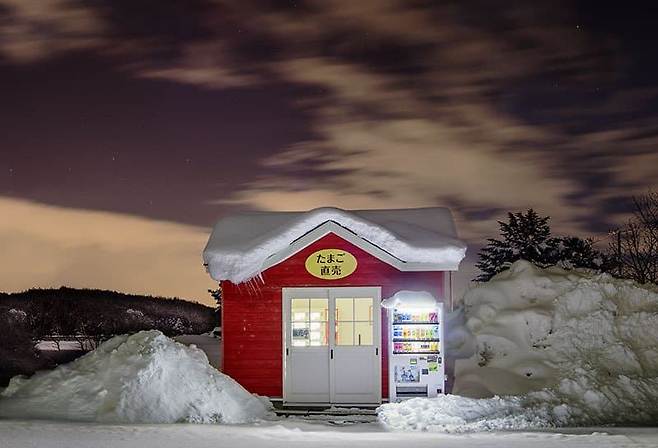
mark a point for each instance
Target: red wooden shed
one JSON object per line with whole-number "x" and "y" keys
{"x": 301, "y": 293}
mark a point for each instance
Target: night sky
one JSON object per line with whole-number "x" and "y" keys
{"x": 129, "y": 127}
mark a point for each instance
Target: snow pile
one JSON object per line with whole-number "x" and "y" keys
{"x": 240, "y": 246}
{"x": 410, "y": 299}
{"x": 582, "y": 342}
{"x": 560, "y": 347}
{"x": 459, "y": 342}
{"x": 452, "y": 413}
{"x": 140, "y": 378}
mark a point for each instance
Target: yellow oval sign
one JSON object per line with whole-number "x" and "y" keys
{"x": 331, "y": 264}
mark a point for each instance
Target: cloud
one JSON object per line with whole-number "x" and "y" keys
{"x": 202, "y": 64}
{"x": 432, "y": 126}
{"x": 45, "y": 246}
{"x": 35, "y": 29}
{"x": 432, "y": 82}
{"x": 410, "y": 103}
{"x": 384, "y": 145}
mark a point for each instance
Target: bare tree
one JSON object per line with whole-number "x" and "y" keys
{"x": 646, "y": 207}
{"x": 635, "y": 250}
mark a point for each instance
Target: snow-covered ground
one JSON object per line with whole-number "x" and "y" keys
{"x": 561, "y": 348}
{"x": 296, "y": 434}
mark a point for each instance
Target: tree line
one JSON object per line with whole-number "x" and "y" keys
{"x": 632, "y": 251}
{"x": 88, "y": 317}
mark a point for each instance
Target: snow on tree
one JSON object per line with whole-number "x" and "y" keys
{"x": 527, "y": 236}
{"x": 573, "y": 252}
{"x": 524, "y": 237}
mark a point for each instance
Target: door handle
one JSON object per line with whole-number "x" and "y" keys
{"x": 376, "y": 351}
{"x": 287, "y": 351}
{"x": 331, "y": 353}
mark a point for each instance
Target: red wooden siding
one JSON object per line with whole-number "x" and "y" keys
{"x": 252, "y": 312}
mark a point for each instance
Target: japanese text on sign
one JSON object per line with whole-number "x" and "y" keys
{"x": 331, "y": 264}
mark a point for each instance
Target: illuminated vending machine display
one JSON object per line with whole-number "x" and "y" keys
{"x": 416, "y": 358}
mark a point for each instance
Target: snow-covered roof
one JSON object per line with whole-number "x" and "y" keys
{"x": 421, "y": 239}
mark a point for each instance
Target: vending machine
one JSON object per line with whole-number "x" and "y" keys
{"x": 416, "y": 356}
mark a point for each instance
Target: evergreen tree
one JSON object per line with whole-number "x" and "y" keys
{"x": 217, "y": 296}
{"x": 572, "y": 252}
{"x": 527, "y": 236}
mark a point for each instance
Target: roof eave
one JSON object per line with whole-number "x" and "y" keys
{"x": 333, "y": 227}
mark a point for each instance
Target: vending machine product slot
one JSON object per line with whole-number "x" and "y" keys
{"x": 410, "y": 392}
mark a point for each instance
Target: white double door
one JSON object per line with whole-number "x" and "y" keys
{"x": 332, "y": 352}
